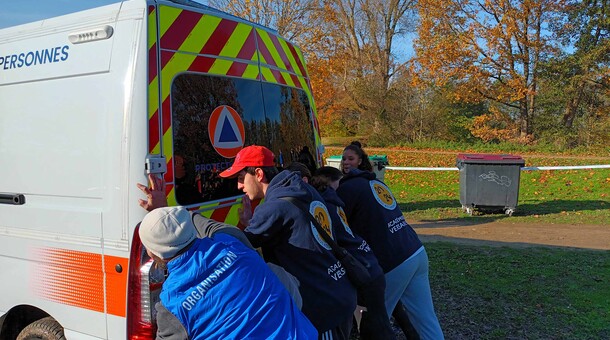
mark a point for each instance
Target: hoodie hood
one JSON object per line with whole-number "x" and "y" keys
{"x": 289, "y": 184}
{"x": 357, "y": 173}
{"x": 330, "y": 196}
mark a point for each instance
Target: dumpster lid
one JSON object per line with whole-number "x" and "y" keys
{"x": 469, "y": 158}
{"x": 379, "y": 158}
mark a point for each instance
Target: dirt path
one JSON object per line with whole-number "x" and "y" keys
{"x": 516, "y": 234}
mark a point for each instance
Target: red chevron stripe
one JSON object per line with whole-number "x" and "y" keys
{"x": 278, "y": 76}
{"x": 202, "y": 64}
{"x": 280, "y": 51}
{"x": 249, "y": 47}
{"x": 169, "y": 174}
{"x": 153, "y": 131}
{"x": 219, "y": 38}
{"x": 179, "y": 30}
{"x": 262, "y": 49}
{"x": 295, "y": 55}
{"x": 151, "y": 9}
{"x": 166, "y": 117}
{"x": 295, "y": 80}
{"x": 237, "y": 69}
{"x": 220, "y": 214}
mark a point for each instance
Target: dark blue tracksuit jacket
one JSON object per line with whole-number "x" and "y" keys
{"x": 288, "y": 239}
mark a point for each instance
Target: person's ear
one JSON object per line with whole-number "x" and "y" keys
{"x": 260, "y": 174}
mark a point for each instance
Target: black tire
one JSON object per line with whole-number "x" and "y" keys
{"x": 44, "y": 329}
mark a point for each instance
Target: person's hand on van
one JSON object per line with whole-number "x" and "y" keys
{"x": 155, "y": 194}
{"x": 245, "y": 212}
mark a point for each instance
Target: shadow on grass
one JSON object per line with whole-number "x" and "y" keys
{"x": 523, "y": 209}
{"x": 426, "y": 239}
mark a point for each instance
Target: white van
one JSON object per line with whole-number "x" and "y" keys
{"x": 93, "y": 101}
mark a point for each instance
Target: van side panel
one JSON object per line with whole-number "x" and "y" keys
{"x": 66, "y": 144}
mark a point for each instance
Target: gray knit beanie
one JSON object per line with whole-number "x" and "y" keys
{"x": 166, "y": 231}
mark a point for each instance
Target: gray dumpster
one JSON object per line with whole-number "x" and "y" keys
{"x": 489, "y": 183}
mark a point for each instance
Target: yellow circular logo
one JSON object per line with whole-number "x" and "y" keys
{"x": 343, "y": 218}
{"x": 319, "y": 211}
{"x": 383, "y": 195}
{"x": 321, "y": 215}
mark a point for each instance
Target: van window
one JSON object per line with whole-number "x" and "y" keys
{"x": 275, "y": 116}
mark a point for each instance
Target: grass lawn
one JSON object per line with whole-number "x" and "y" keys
{"x": 549, "y": 196}
{"x": 503, "y": 293}
{"x": 485, "y": 292}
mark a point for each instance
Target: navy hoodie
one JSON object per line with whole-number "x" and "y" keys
{"x": 288, "y": 239}
{"x": 373, "y": 213}
{"x": 345, "y": 237}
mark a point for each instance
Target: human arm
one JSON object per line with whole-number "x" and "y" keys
{"x": 207, "y": 227}
{"x": 168, "y": 325}
{"x": 155, "y": 194}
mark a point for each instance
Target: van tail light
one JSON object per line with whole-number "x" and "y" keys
{"x": 144, "y": 287}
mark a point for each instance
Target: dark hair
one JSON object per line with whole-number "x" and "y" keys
{"x": 356, "y": 147}
{"x": 324, "y": 176}
{"x": 299, "y": 167}
{"x": 268, "y": 171}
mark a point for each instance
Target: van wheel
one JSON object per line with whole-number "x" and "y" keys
{"x": 44, "y": 329}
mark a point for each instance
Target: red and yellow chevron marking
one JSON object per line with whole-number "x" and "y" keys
{"x": 196, "y": 42}
{"x": 77, "y": 279}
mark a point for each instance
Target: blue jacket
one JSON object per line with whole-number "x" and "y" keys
{"x": 373, "y": 213}
{"x": 288, "y": 239}
{"x": 221, "y": 289}
{"x": 345, "y": 237}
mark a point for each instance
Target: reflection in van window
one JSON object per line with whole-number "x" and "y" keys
{"x": 276, "y": 116}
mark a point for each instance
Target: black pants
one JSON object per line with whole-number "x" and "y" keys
{"x": 375, "y": 322}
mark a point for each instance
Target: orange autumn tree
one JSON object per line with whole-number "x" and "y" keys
{"x": 490, "y": 50}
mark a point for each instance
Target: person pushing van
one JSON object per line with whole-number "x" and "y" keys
{"x": 217, "y": 287}
{"x": 286, "y": 237}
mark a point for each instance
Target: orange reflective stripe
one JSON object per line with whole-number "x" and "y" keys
{"x": 77, "y": 279}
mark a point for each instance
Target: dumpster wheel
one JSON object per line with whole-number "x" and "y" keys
{"x": 509, "y": 211}
{"x": 468, "y": 210}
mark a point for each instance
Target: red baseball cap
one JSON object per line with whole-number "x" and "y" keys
{"x": 253, "y": 155}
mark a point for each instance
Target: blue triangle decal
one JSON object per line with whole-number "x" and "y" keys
{"x": 227, "y": 134}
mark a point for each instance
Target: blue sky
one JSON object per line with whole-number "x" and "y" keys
{"x": 16, "y": 12}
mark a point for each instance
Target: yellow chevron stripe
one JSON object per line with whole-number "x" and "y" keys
{"x": 178, "y": 63}
{"x": 200, "y": 34}
{"x": 293, "y": 62}
{"x": 304, "y": 85}
{"x": 288, "y": 79}
{"x": 167, "y": 17}
{"x": 233, "y": 216}
{"x": 302, "y": 59}
{"x": 272, "y": 50}
{"x": 236, "y": 41}
{"x": 220, "y": 66}
{"x": 267, "y": 75}
{"x": 152, "y": 28}
{"x": 251, "y": 72}
{"x": 168, "y": 141}
{"x": 153, "y": 98}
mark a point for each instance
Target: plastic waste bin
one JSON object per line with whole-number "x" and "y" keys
{"x": 334, "y": 161}
{"x": 379, "y": 163}
{"x": 489, "y": 182}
